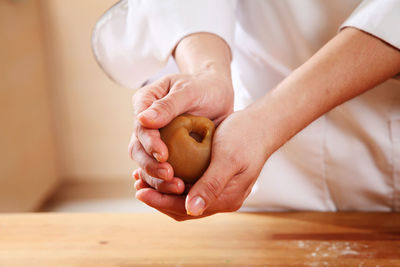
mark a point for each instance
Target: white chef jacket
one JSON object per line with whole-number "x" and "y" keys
{"x": 348, "y": 159}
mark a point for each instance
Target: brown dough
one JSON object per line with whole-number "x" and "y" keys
{"x": 189, "y": 140}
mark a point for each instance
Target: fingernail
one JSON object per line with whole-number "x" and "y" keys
{"x": 196, "y": 206}
{"x": 149, "y": 114}
{"x": 157, "y": 156}
{"x": 162, "y": 173}
{"x": 136, "y": 185}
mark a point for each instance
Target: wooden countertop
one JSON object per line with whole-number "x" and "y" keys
{"x": 238, "y": 239}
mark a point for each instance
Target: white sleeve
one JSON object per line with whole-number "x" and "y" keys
{"x": 134, "y": 39}
{"x": 380, "y": 18}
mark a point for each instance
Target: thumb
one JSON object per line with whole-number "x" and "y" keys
{"x": 208, "y": 188}
{"x": 164, "y": 110}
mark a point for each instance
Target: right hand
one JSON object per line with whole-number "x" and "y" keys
{"x": 207, "y": 94}
{"x": 241, "y": 146}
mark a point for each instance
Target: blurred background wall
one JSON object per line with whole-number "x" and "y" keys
{"x": 28, "y": 165}
{"x": 93, "y": 114}
{"x": 61, "y": 119}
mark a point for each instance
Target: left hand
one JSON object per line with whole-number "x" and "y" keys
{"x": 238, "y": 155}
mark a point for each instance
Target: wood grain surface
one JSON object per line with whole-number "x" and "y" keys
{"x": 238, "y": 239}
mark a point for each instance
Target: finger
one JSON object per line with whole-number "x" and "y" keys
{"x": 135, "y": 174}
{"x": 211, "y": 184}
{"x": 144, "y": 97}
{"x": 132, "y": 143}
{"x": 232, "y": 197}
{"x": 176, "y": 216}
{"x": 174, "y": 186}
{"x": 162, "y": 202}
{"x": 147, "y": 197}
{"x": 181, "y": 217}
{"x": 152, "y": 143}
{"x": 164, "y": 110}
{"x": 140, "y": 184}
{"x": 154, "y": 168}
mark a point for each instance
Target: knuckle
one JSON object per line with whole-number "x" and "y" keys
{"x": 180, "y": 84}
{"x": 158, "y": 91}
{"x": 131, "y": 142}
{"x": 165, "y": 105}
{"x": 213, "y": 188}
{"x": 138, "y": 131}
{"x": 151, "y": 170}
{"x": 234, "y": 159}
{"x": 160, "y": 87}
{"x": 135, "y": 148}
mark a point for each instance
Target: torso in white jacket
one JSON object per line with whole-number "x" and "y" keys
{"x": 349, "y": 159}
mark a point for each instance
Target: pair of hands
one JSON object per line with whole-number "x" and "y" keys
{"x": 241, "y": 145}
{"x": 237, "y": 151}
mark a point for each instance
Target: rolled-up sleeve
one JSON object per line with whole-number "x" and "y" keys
{"x": 134, "y": 39}
{"x": 380, "y": 18}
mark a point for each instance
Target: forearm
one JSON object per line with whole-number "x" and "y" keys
{"x": 350, "y": 64}
{"x": 201, "y": 52}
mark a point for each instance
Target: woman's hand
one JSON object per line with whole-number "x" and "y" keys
{"x": 204, "y": 88}
{"x": 238, "y": 154}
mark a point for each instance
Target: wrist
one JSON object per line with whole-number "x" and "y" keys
{"x": 203, "y": 52}
{"x": 212, "y": 67}
{"x": 275, "y": 121}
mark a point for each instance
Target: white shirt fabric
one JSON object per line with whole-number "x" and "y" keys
{"x": 348, "y": 159}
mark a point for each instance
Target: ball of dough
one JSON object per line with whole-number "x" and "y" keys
{"x": 189, "y": 140}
